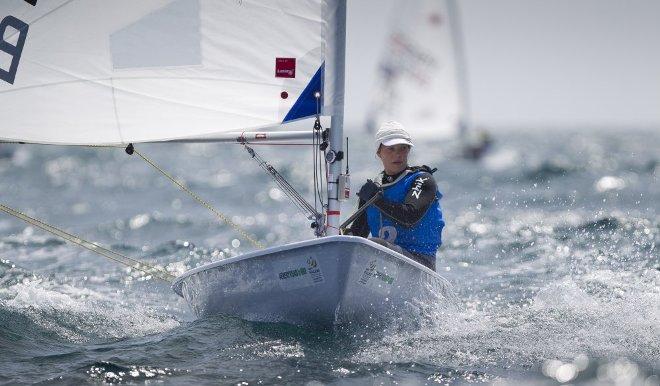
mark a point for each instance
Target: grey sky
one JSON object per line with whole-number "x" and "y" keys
{"x": 536, "y": 63}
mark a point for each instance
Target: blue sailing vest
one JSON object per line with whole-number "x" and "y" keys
{"x": 424, "y": 237}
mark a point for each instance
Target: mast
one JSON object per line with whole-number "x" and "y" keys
{"x": 335, "y": 88}
{"x": 465, "y": 117}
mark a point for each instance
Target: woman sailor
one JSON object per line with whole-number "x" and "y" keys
{"x": 406, "y": 216}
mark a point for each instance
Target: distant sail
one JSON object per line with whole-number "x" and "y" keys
{"x": 418, "y": 80}
{"x": 120, "y": 71}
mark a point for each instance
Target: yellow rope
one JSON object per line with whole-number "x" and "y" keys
{"x": 118, "y": 257}
{"x": 94, "y": 247}
{"x": 208, "y": 206}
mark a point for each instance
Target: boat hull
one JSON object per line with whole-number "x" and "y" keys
{"x": 322, "y": 282}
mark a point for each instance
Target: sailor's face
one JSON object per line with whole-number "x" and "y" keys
{"x": 394, "y": 158}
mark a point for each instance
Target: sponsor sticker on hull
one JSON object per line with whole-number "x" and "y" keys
{"x": 299, "y": 273}
{"x": 379, "y": 276}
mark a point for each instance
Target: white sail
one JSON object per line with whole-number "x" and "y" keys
{"x": 121, "y": 71}
{"x": 418, "y": 82}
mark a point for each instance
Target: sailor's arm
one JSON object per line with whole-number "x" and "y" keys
{"x": 360, "y": 227}
{"x": 419, "y": 198}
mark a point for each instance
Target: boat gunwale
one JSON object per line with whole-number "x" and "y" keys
{"x": 178, "y": 282}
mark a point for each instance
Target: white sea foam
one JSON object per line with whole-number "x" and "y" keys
{"x": 83, "y": 314}
{"x": 563, "y": 321}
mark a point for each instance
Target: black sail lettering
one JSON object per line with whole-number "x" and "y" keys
{"x": 14, "y": 51}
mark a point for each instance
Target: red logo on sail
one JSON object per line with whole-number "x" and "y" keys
{"x": 285, "y": 67}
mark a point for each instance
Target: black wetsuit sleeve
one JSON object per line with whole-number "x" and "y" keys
{"x": 418, "y": 200}
{"x": 360, "y": 227}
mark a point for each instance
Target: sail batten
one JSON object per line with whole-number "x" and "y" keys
{"x": 104, "y": 73}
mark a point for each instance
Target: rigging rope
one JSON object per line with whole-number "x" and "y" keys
{"x": 205, "y": 204}
{"x": 208, "y": 206}
{"x": 297, "y": 199}
{"x": 94, "y": 247}
{"x": 118, "y": 257}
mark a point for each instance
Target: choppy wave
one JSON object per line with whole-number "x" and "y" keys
{"x": 70, "y": 313}
{"x": 28, "y": 239}
{"x": 549, "y": 170}
{"x": 551, "y": 246}
{"x": 599, "y": 316}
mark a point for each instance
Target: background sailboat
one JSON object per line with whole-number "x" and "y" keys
{"x": 422, "y": 75}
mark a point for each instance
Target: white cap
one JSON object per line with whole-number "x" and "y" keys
{"x": 392, "y": 133}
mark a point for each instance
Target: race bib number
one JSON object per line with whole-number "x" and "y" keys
{"x": 388, "y": 233}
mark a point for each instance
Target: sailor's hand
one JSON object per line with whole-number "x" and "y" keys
{"x": 368, "y": 190}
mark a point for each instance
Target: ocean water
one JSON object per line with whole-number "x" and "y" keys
{"x": 551, "y": 247}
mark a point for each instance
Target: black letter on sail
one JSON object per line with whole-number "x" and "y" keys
{"x": 14, "y": 51}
